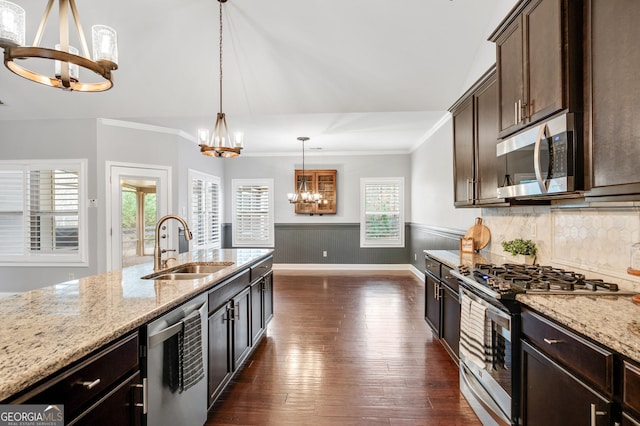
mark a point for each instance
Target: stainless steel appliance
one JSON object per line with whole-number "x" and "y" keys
{"x": 544, "y": 160}
{"x": 169, "y": 402}
{"x": 490, "y": 371}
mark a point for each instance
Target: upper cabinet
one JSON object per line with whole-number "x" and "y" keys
{"x": 538, "y": 61}
{"x": 322, "y": 182}
{"x": 613, "y": 97}
{"x": 475, "y": 135}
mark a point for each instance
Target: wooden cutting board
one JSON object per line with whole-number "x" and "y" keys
{"x": 480, "y": 234}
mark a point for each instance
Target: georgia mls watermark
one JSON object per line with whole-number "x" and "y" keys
{"x": 32, "y": 415}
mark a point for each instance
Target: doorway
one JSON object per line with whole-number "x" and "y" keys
{"x": 138, "y": 196}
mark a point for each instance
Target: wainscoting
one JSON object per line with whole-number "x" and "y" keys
{"x": 305, "y": 243}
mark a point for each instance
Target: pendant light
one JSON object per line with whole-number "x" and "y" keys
{"x": 219, "y": 144}
{"x": 67, "y": 59}
{"x": 302, "y": 194}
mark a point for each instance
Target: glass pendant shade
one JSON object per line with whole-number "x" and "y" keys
{"x": 105, "y": 43}
{"x": 74, "y": 70}
{"x": 12, "y": 22}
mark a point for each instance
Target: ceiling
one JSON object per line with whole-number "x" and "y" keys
{"x": 353, "y": 75}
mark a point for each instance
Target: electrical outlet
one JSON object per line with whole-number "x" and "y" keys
{"x": 324, "y": 253}
{"x": 534, "y": 230}
{"x": 72, "y": 276}
{"x": 415, "y": 256}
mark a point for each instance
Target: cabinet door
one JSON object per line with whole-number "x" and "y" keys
{"x": 257, "y": 321}
{"x": 615, "y": 91}
{"x": 326, "y": 187}
{"x": 552, "y": 396}
{"x": 305, "y": 208}
{"x": 241, "y": 327}
{"x": 509, "y": 55}
{"x": 489, "y": 168}
{"x": 432, "y": 303}
{"x": 267, "y": 298}
{"x": 451, "y": 320}
{"x": 219, "y": 362}
{"x": 463, "y": 154}
{"x": 543, "y": 59}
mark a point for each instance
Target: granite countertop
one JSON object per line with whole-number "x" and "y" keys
{"x": 613, "y": 321}
{"x": 47, "y": 329}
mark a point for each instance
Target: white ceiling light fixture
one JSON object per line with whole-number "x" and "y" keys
{"x": 302, "y": 194}
{"x": 219, "y": 144}
{"x": 68, "y": 61}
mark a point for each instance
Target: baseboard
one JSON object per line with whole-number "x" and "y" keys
{"x": 343, "y": 266}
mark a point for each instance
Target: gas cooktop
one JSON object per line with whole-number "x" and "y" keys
{"x": 508, "y": 280}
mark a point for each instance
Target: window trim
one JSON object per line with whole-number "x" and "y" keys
{"x": 79, "y": 259}
{"x": 270, "y": 242}
{"x": 195, "y": 174}
{"x": 397, "y": 242}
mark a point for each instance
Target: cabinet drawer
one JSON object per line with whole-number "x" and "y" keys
{"x": 78, "y": 386}
{"x": 261, "y": 268}
{"x": 631, "y": 387}
{"x": 449, "y": 279}
{"x": 227, "y": 289}
{"x": 591, "y": 362}
{"x": 432, "y": 265}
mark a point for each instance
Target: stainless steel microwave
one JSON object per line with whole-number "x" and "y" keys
{"x": 543, "y": 160}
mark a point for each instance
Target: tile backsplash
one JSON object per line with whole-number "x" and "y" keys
{"x": 595, "y": 241}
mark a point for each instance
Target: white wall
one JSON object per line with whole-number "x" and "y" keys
{"x": 432, "y": 184}
{"x": 51, "y": 139}
{"x": 349, "y": 171}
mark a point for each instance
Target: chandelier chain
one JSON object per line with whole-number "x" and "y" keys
{"x": 220, "y": 57}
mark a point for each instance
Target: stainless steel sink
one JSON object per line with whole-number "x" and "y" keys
{"x": 191, "y": 271}
{"x": 176, "y": 276}
{"x": 201, "y": 269}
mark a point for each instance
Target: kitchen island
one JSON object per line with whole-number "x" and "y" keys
{"x": 48, "y": 329}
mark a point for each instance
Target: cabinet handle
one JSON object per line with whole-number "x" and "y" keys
{"x": 236, "y": 312}
{"x": 145, "y": 396}
{"x": 595, "y": 413}
{"x": 515, "y": 113}
{"x": 90, "y": 385}
{"x": 552, "y": 341}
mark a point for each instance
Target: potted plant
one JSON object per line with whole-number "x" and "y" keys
{"x": 523, "y": 250}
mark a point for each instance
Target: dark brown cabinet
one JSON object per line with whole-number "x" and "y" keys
{"x": 103, "y": 389}
{"x": 613, "y": 96}
{"x": 442, "y": 305}
{"x": 566, "y": 379}
{"x": 475, "y": 136}
{"x": 538, "y": 61}
{"x": 631, "y": 392}
{"x": 323, "y": 182}
{"x": 239, "y": 310}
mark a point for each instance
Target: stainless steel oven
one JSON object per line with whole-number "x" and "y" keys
{"x": 489, "y": 357}
{"x": 544, "y": 160}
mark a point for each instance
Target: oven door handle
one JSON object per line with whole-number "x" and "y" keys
{"x": 537, "y": 161}
{"x": 493, "y": 312}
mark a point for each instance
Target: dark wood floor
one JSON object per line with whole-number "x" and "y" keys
{"x": 346, "y": 348}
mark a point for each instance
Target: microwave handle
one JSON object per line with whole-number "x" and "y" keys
{"x": 537, "y": 164}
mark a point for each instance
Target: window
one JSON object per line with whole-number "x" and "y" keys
{"x": 253, "y": 213}
{"x": 382, "y": 212}
{"x": 42, "y": 212}
{"x": 204, "y": 210}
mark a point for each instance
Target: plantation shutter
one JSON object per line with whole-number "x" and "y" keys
{"x": 205, "y": 210}
{"x": 253, "y": 219}
{"x": 40, "y": 213}
{"x": 382, "y": 216}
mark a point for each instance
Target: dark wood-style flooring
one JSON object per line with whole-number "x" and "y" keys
{"x": 346, "y": 348}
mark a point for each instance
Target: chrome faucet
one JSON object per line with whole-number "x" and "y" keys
{"x": 157, "y": 251}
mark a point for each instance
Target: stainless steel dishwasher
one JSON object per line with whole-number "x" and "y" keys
{"x": 169, "y": 402}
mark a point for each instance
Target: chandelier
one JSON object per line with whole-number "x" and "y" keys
{"x": 219, "y": 144}
{"x": 67, "y": 60}
{"x": 302, "y": 194}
